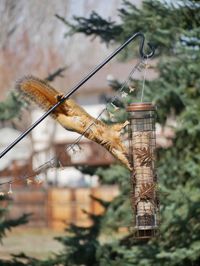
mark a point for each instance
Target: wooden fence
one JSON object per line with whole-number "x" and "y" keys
{"x": 57, "y": 207}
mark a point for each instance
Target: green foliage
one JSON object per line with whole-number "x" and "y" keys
{"x": 7, "y": 225}
{"x": 163, "y": 23}
{"x": 81, "y": 244}
{"x": 115, "y": 174}
{"x": 95, "y": 25}
{"x": 22, "y": 260}
{"x": 173, "y": 27}
{"x": 11, "y": 107}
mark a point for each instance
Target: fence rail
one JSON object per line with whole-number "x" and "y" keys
{"x": 57, "y": 207}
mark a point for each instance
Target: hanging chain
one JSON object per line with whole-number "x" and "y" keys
{"x": 144, "y": 79}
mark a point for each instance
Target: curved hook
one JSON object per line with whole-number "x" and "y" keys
{"x": 152, "y": 48}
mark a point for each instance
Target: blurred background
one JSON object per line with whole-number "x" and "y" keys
{"x": 32, "y": 42}
{"x": 86, "y": 192}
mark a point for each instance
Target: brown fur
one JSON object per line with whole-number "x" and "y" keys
{"x": 73, "y": 117}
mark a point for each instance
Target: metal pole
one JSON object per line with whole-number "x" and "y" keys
{"x": 85, "y": 79}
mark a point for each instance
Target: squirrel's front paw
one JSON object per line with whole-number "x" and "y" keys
{"x": 59, "y": 97}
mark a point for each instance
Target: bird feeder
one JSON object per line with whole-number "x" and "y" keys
{"x": 142, "y": 145}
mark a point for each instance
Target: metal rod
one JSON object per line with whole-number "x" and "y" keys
{"x": 85, "y": 79}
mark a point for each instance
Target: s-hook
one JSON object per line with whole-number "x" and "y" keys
{"x": 80, "y": 83}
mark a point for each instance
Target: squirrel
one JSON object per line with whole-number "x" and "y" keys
{"x": 73, "y": 117}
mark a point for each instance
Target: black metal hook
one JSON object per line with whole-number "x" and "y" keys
{"x": 85, "y": 79}
{"x": 141, "y": 49}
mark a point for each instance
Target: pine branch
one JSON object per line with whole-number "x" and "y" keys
{"x": 7, "y": 225}
{"x": 94, "y": 26}
{"x": 55, "y": 74}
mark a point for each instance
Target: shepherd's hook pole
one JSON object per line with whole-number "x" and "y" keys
{"x": 85, "y": 79}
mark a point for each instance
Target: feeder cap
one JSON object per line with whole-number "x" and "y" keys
{"x": 147, "y": 106}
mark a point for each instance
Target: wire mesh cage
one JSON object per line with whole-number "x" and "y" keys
{"x": 142, "y": 145}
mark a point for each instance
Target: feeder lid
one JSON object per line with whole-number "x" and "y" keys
{"x": 146, "y": 106}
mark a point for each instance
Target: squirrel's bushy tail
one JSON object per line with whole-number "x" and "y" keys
{"x": 38, "y": 91}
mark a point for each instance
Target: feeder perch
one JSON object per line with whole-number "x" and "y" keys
{"x": 142, "y": 145}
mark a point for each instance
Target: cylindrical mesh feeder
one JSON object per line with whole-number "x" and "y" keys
{"x": 142, "y": 145}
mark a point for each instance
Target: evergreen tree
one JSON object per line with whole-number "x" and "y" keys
{"x": 7, "y": 224}
{"x": 173, "y": 27}
{"x": 10, "y": 108}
